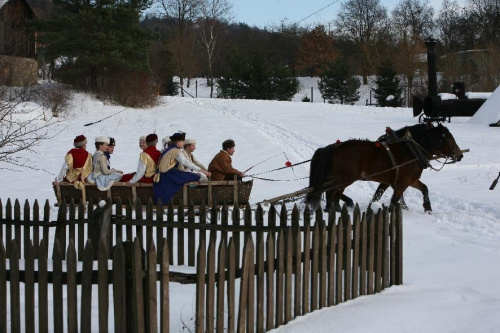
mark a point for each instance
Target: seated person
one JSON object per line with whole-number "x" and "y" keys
{"x": 221, "y": 166}
{"x": 189, "y": 148}
{"x": 146, "y": 167}
{"x": 111, "y": 149}
{"x": 102, "y": 175}
{"x": 77, "y": 164}
{"x": 168, "y": 178}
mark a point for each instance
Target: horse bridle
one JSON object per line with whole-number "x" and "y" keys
{"x": 448, "y": 147}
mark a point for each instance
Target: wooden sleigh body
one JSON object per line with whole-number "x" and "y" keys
{"x": 218, "y": 192}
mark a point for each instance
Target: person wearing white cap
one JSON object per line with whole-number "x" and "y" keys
{"x": 189, "y": 148}
{"x": 142, "y": 143}
{"x": 102, "y": 175}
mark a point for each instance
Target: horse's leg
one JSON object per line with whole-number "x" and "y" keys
{"x": 332, "y": 198}
{"x": 425, "y": 193}
{"x": 379, "y": 192}
{"x": 348, "y": 201}
{"x": 396, "y": 196}
{"x": 402, "y": 202}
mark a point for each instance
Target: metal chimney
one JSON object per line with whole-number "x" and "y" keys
{"x": 430, "y": 42}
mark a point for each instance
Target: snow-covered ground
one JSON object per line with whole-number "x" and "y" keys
{"x": 451, "y": 258}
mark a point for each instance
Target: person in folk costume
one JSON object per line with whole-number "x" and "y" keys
{"x": 189, "y": 148}
{"x": 142, "y": 143}
{"x": 146, "y": 167}
{"x": 77, "y": 164}
{"x": 221, "y": 165}
{"x": 111, "y": 149}
{"x": 168, "y": 179}
{"x": 102, "y": 175}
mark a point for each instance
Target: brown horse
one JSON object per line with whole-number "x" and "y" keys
{"x": 392, "y": 135}
{"x": 337, "y": 166}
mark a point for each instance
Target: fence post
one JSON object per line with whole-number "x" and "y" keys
{"x": 100, "y": 226}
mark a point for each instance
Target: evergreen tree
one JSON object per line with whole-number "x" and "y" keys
{"x": 95, "y": 41}
{"x": 256, "y": 79}
{"x": 233, "y": 84}
{"x": 338, "y": 85}
{"x": 387, "y": 92}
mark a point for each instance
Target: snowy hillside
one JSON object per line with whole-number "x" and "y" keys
{"x": 451, "y": 258}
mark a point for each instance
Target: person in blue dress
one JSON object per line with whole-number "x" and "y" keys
{"x": 168, "y": 179}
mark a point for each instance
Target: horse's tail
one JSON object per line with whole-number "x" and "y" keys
{"x": 317, "y": 174}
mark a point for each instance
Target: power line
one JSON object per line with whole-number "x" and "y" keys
{"x": 316, "y": 12}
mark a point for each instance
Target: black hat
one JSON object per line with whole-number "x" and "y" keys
{"x": 179, "y": 136}
{"x": 112, "y": 142}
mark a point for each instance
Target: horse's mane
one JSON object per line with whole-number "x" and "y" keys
{"x": 413, "y": 129}
{"x": 430, "y": 137}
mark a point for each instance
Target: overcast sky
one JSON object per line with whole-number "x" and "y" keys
{"x": 262, "y": 13}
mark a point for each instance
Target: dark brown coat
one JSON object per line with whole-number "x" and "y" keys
{"x": 221, "y": 166}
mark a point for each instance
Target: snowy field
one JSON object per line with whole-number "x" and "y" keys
{"x": 451, "y": 258}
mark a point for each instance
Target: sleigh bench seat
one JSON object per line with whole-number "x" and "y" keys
{"x": 218, "y": 192}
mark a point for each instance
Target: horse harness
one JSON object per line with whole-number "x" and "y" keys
{"x": 412, "y": 146}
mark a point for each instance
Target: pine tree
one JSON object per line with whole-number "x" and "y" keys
{"x": 388, "y": 92}
{"x": 256, "y": 79}
{"x": 338, "y": 85}
{"x": 95, "y": 40}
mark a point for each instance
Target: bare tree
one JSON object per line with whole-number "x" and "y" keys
{"x": 412, "y": 21}
{"x": 449, "y": 23}
{"x": 213, "y": 13}
{"x": 361, "y": 21}
{"x": 22, "y": 127}
{"x": 485, "y": 14}
{"x": 184, "y": 13}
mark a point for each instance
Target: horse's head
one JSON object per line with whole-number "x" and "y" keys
{"x": 448, "y": 147}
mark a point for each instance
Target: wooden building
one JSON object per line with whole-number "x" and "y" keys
{"x": 14, "y": 39}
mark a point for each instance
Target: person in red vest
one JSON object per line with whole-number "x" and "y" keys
{"x": 77, "y": 164}
{"x": 146, "y": 167}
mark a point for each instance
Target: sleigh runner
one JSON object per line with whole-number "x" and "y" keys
{"x": 218, "y": 192}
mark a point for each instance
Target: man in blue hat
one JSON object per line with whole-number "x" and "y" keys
{"x": 168, "y": 179}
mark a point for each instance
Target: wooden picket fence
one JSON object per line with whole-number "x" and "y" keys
{"x": 290, "y": 264}
{"x": 133, "y": 279}
{"x": 297, "y": 271}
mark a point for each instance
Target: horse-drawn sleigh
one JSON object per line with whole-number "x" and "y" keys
{"x": 397, "y": 160}
{"x": 218, "y": 192}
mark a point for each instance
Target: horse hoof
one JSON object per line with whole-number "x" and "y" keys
{"x": 405, "y": 207}
{"x": 428, "y": 211}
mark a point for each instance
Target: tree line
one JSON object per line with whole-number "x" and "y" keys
{"x": 129, "y": 50}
